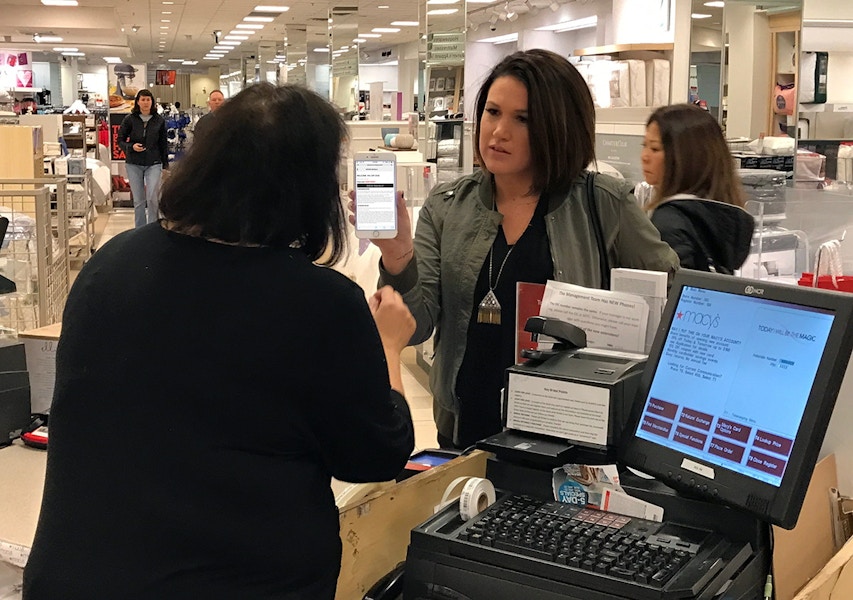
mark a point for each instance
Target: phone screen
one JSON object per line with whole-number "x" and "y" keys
{"x": 375, "y": 191}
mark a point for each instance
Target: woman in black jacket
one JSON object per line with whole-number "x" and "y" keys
{"x": 697, "y": 203}
{"x": 142, "y": 136}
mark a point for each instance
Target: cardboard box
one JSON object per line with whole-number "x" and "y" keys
{"x": 834, "y": 581}
{"x": 40, "y": 347}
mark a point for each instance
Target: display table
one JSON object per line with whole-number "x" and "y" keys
{"x": 22, "y": 476}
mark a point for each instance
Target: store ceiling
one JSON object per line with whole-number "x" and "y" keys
{"x": 106, "y": 27}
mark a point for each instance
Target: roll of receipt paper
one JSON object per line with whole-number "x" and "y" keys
{"x": 476, "y": 496}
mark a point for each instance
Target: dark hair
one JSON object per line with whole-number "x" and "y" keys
{"x": 560, "y": 116}
{"x": 264, "y": 173}
{"x": 143, "y": 92}
{"x": 696, "y": 157}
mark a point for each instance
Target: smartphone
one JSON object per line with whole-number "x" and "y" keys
{"x": 375, "y": 195}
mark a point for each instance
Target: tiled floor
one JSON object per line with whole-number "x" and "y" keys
{"x": 414, "y": 379}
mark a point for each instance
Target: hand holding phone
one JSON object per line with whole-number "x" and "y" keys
{"x": 375, "y": 195}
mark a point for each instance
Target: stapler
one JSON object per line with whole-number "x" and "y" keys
{"x": 569, "y": 337}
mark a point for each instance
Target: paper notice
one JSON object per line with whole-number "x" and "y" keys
{"x": 612, "y": 320}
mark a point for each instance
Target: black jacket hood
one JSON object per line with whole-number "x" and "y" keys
{"x": 698, "y": 229}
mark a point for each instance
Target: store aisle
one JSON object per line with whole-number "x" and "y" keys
{"x": 414, "y": 379}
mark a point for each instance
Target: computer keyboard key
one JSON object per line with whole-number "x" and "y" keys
{"x": 622, "y": 573}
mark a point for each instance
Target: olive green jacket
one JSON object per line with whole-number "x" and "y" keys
{"x": 455, "y": 230}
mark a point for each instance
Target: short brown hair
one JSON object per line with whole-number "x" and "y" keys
{"x": 696, "y": 157}
{"x": 560, "y": 113}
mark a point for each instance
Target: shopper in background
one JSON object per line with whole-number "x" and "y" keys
{"x": 697, "y": 203}
{"x": 522, "y": 218}
{"x": 214, "y": 101}
{"x": 142, "y": 136}
{"x": 211, "y": 379}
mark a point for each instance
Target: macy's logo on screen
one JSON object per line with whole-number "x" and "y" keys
{"x": 699, "y": 318}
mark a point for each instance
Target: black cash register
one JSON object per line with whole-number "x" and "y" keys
{"x": 729, "y": 417}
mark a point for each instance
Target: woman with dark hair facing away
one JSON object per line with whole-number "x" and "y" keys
{"x": 522, "y": 218}
{"x": 142, "y": 136}
{"x": 211, "y": 379}
{"x": 697, "y": 203}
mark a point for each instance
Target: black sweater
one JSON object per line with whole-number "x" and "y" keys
{"x": 205, "y": 395}
{"x": 152, "y": 135}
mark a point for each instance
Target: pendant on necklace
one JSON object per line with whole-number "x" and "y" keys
{"x": 489, "y": 310}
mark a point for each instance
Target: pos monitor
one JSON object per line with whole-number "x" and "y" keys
{"x": 738, "y": 391}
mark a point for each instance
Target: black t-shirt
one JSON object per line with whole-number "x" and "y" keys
{"x": 491, "y": 348}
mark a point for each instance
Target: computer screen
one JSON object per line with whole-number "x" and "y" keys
{"x": 739, "y": 389}
{"x": 165, "y": 77}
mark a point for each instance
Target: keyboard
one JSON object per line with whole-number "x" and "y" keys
{"x": 606, "y": 552}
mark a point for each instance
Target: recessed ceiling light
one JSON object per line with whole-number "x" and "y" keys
{"x": 164, "y": 26}
{"x": 165, "y": 21}
{"x": 249, "y": 26}
{"x": 442, "y": 1}
{"x": 236, "y": 37}
{"x": 73, "y": 54}
{"x": 190, "y": 62}
{"x": 231, "y": 43}
{"x": 48, "y": 39}
{"x": 167, "y": 12}
{"x": 359, "y": 40}
{"x": 385, "y": 29}
{"x": 63, "y": 49}
{"x": 444, "y": 11}
{"x": 405, "y": 23}
{"x": 321, "y": 50}
{"x": 221, "y": 47}
{"x": 241, "y": 32}
{"x": 164, "y": 2}
{"x": 383, "y": 6}
{"x": 251, "y": 19}
{"x": 716, "y": 4}
{"x": 275, "y": 9}
{"x": 370, "y": 35}
{"x": 112, "y": 59}
{"x": 700, "y": 16}
{"x": 59, "y": 2}
{"x": 176, "y": 60}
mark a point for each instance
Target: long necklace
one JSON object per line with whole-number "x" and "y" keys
{"x": 489, "y": 310}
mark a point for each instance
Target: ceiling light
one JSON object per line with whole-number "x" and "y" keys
{"x": 443, "y": 11}
{"x": 166, "y": 12}
{"x": 501, "y": 39}
{"x": 164, "y": 26}
{"x": 164, "y": 33}
{"x": 168, "y": 2}
{"x": 231, "y": 43}
{"x": 236, "y": 37}
{"x": 700, "y": 16}
{"x": 190, "y": 62}
{"x": 405, "y": 23}
{"x": 321, "y": 49}
{"x": 165, "y": 21}
{"x": 480, "y": 2}
{"x": 272, "y": 9}
{"x": 242, "y": 32}
{"x": 370, "y": 35}
{"x": 383, "y": 6}
{"x": 249, "y": 26}
{"x": 385, "y": 30}
{"x": 572, "y": 25}
{"x": 716, "y": 4}
{"x": 176, "y": 60}
{"x": 220, "y": 47}
{"x": 59, "y": 2}
{"x": 63, "y": 49}
{"x": 359, "y": 40}
{"x": 73, "y": 54}
{"x": 49, "y": 39}
{"x": 251, "y": 19}
{"x": 112, "y": 59}
{"x": 442, "y": 1}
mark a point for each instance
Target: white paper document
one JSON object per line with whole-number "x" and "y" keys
{"x": 651, "y": 286}
{"x": 611, "y": 320}
{"x": 571, "y": 411}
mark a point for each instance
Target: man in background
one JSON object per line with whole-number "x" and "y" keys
{"x": 214, "y": 101}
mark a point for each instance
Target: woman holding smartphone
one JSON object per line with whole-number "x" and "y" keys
{"x": 521, "y": 218}
{"x": 142, "y": 136}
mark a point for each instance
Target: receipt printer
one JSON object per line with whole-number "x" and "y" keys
{"x": 579, "y": 395}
